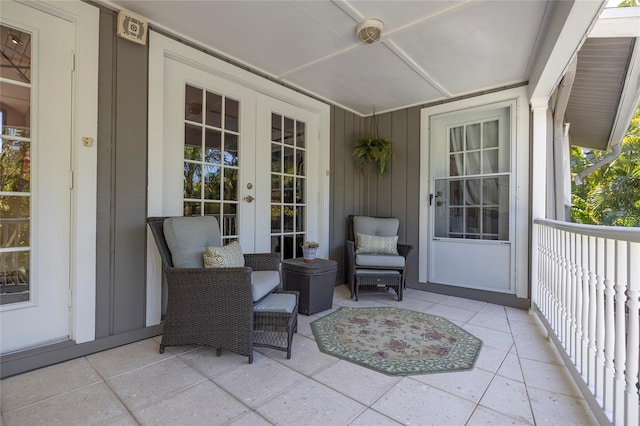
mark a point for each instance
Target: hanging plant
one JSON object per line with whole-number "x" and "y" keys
{"x": 373, "y": 148}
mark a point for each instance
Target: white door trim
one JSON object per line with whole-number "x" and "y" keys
{"x": 520, "y": 147}
{"x": 161, "y": 47}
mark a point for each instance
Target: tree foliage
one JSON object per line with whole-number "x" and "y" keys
{"x": 610, "y": 195}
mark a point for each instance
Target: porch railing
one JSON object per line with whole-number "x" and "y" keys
{"x": 587, "y": 290}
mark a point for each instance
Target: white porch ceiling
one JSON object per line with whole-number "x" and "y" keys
{"x": 430, "y": 50}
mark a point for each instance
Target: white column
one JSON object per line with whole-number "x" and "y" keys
{"x": 538, "y": 182}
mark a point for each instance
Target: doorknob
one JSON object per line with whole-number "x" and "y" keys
{"x": 248, "y": 198}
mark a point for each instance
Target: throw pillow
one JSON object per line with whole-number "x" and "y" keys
{"x": 373, "y": 244}
{"x": 229, "y": 256}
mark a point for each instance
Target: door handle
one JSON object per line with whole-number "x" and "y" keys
{"x": 248, "y": 198}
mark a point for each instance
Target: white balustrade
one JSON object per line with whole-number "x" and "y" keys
{"x": 587, "y": 291}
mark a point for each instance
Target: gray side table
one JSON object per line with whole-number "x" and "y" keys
{"x": 315, "y": 281}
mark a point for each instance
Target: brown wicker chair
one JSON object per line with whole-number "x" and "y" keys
{"x": 209, "y": 306}
{"x": 374, "y": 272}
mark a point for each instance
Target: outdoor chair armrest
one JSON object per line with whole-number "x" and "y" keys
{"x": 404, "y": 249}
{"x": 262, "y": 261}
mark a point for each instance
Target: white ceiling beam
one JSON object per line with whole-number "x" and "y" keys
{"x": 618, "y": 22}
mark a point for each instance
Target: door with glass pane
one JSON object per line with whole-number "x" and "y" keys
{"x": 471, "y": 221}
{"x": 35, "y": 152}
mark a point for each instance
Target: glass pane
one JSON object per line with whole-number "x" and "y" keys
{"x": 300, "y": 218}
{"x": 230, "y": 149}
{"x": 15, "y": 61}
{"x": 288, "y": 131}
{"x": 288, "y": 218}
{"x": 300, "y": 190}
{"x": 456, "y": 196}
{"x": 490, "y": 191}
{"x": 213, "y": 146}
{"x": 456, "y": 165}
{"x": 14, "y": 277}
{"x": 472, "y": 196}
{"x": 15, "y": 166}
{"x": 212, "y": 183}
{"x": 214, "y": 110}
{"x": 15, "y": 106}
{"x": 276, "y": 220}
{"x": 192, "y": 208}
{"x": 229, "y": 220}
{"x": 288, "y": 189}
{"x": 288, "y": 160}
{"x": 276, "y": 193}
{"x": 192, "y": 180}
{"x": 490, "y": 134}
{"x": 230, "y": 184}
{"x": 473, "y": 136}
{"x": 275, "y": 244}
{"x": 212, "y": 209}
{"x": 472, "y": 163}
{"x": 193, "y": 104}
{"x": 490, "y": 161}
{"x": 300, "y": 134}
{"x": 473, "y": 220}
{"x": 192, "y": 142}
{"x": 231, "y": 115}
{"x": 300, "y": 239}
{"x": 14, "y": 221}
{"x": 455, "y": 139}
{"x": 455, "y": 219}
{"x": 490, "y": 220}
{"x": 299, "y": 162}
{"x": 276, "y": 128}
{"x": 287, "y": 252}
{"x": 276, "y": 161}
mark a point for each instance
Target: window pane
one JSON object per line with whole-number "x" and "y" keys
{"x": 490, "y": 220}
{"x": 276, "y": 128}
{"x": 193, "y": 104}
{"x": 231, "y": 184}
{"x": 455, "y": 219}
{"x": 212, "y": 209}
{"x": 276, "y": 220}
{"x": 472, "y": 223}
{"x": 192, "y": 180}
{"x": 192, "y": 208}
{"x": 17, "y": 117}
{"x": 14, "y": 277}
{"x": 300, "y": 218}
{"x": 214, "y": 110}
{"x": 192, "y": 142}
{"x": 455, "y": 139}
{"x": 473, "y": 136}
{"x": 276, "y": 185}
{"x": 299, "y": 162}
{"x": 288, "y": 189}
{"x": 456, "y": 165}
{"x": 472, "y": 163}
{"x": 15, "y": 61}
{"x": 231, "y": 115}
{"x": 288, "y": 160}
{"x": 490, "y": 191}
{"x": 472, "y": 196}
{"x": 276, "y": 161}
{"x": 229, "y": 220}
{"x": 288, "y": 249}
{"x": 14, "y": 221}
{"x": 490, "y": 134}
{"x": 300, "y": 190}
{"x": 15, "y": 166}
{"x": 490, "y": 161}
{"x": 288, "y": 219}
{"x": 212, "y": 183}
{"x": 300, "y": 239}
{"x": 288, "y": 131}
{"x": 230, "y": 149}
{"x": 456, "y": 196}
{"x": 213, "y": 146}
{"x": 300, "y": 135}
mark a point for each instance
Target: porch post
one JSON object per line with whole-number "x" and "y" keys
{"x": 540, "y": 126}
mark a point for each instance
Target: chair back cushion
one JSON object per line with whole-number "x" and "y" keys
{"x": 378, "y": 226}
{"x": 188, "y": 238}
{"x": 229, "y": 256}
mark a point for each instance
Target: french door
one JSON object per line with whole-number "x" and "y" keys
{"x": 35, "y": 155}
{"x": 471, "y": 200}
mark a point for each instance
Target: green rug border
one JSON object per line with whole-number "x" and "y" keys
{"x": 407, "y": 368}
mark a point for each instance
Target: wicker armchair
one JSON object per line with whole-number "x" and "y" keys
{"x": 376, "y": 272}
{"x": 209, "y": 306}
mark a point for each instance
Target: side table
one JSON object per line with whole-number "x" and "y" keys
{"x": 315, "y": 281}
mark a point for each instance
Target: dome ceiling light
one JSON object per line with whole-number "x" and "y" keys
{"x": 370, "y": 30}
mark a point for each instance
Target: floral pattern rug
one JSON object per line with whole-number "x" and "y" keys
{"x": 396, "y": 342}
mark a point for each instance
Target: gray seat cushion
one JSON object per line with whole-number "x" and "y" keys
{"x": 380, "y": 260}
{"x": 280, "y": 303}
{"x": 188, "y": 238}
{"x": 263, "y": 283}
{"x": 379, "y": 226}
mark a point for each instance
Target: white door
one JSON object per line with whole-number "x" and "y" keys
{"x": 471, "y": 200}
{"x": 240, "y": 156}
{"x": 35, "y": 105}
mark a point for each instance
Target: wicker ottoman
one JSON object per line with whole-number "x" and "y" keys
{"x": 275, "y": 319}
{"x": 378, "y": 281}
{"x": 315, "y": 281}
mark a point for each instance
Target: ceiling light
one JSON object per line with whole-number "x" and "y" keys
{"x": 369, "y": 30}
{"x": 15, "y": 40}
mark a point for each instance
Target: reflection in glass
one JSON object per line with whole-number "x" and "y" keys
{"x": 15, "y": 61}
{"x": 473, "y": 163}
{"x": 456, "y": 215}
{"x": 490, "y": 221}
{"x": 15, "y": 104}
{"x": 490, "y": 161}
{"x": 214, "y": 110}
{"x": 300, "y": 134}
{"x": 192, "y": 142}
{"x": 288, "y": 131}
{"x": 213, "y": 146}
{"x": 472, "y": 222}
{"x": 456, "y": 164}
{"x": 456, "y": 196}
{"x": 472, "y": 197}
{"x": 490, "y": 191}
{"x": 193, "y": 104}
{"x": 288, "y": 218}
{"x": 231, "y": 115}
{"x": 288, "y": 189}
{"x": 14, "y": 221}
{"x": 15, "y": 166}
{"x": 300, "y": 239}
{"x": 455, "y": 139}
{"x": 288, "y": 160}
{"x": 490, "y": 134}
{"x": 192, "y": 180}
{"x": 276, "y": 128}
{"x": 191, "y": 208}
{"x": 299, "y": 218}
{"x": 211, "y": 209}
{"x": 276, "y": 220}
{"x": 229, "y": 220}
{"x": 473, "y": 136}
{"x": 276, "y": 161}
{"x": 14, "y": 277}
{"x": 299, "y": 162}
{"x": 230, "y": 149}
{"x": 231, "y": 184}
{"x": 212, "y": 183}
{"x": 288, "y": 247}
{"x": 276, "y": 193}
{"x": 300, "y": 190}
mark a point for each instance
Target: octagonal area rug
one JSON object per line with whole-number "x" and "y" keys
{"x": 396, "y": 342}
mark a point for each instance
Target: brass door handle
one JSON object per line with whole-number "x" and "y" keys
{"x": 248, "y": 198}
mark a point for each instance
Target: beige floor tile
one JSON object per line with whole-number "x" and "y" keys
{"x": 311, "y": 403}
{"x": 250, "y": 419}
{"x": 427, "y": 296}
{"x": 508, "y": 397}
{"x": 486, "y": 417}
{"x": 253, "y": 384}
{"x": 548, "y": 377}
{"x": 202, "y": 404}
{"x": 35, "y": 386}
{"x": 492, "y": 309}
{"x": 412, "y": 402}
{"x": 205, "y": 361}
{"x": 537, "y": 348}
{"x": 411, "y": 304}
{"x": 555, "y": 409}
{"x": 492, "y": 321}
{"x": 467, "y": 304}
{"x": 373, "y": 418}
{"x": 350, "y": 379}
{"x": 306, "y": 358}
{"x": 520, "y": 315}
{"x": 152, "y": 383}
{"x": 490, "y": 359}
{"x": 124, "y": 420}
{"x": 511, "y": 369}
{"x": 126, "y": 358}
{"x": 450, "y": 312}
{"x": 90, "y": 405}
{"x": 491, "y": 338}
{"x": 469, "y": 385}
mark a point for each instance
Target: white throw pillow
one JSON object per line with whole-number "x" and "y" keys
{"x": 229, "y": 256}
{"x": 374, "y": 244}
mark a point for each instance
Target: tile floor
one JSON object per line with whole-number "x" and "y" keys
{"x": 518, "y": 379}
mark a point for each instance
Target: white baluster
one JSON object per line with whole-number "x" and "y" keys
{"x": 585, "y": 307}
{"x": 579, "y": 303}
{"x": 620, "y": 354}
{"x": 609, "y": 293}
{"x": 599, "y": 385}
{"x": 633, "y": 355}
{"x": 591, "y": 377}
{"x": 572, "y": 298}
